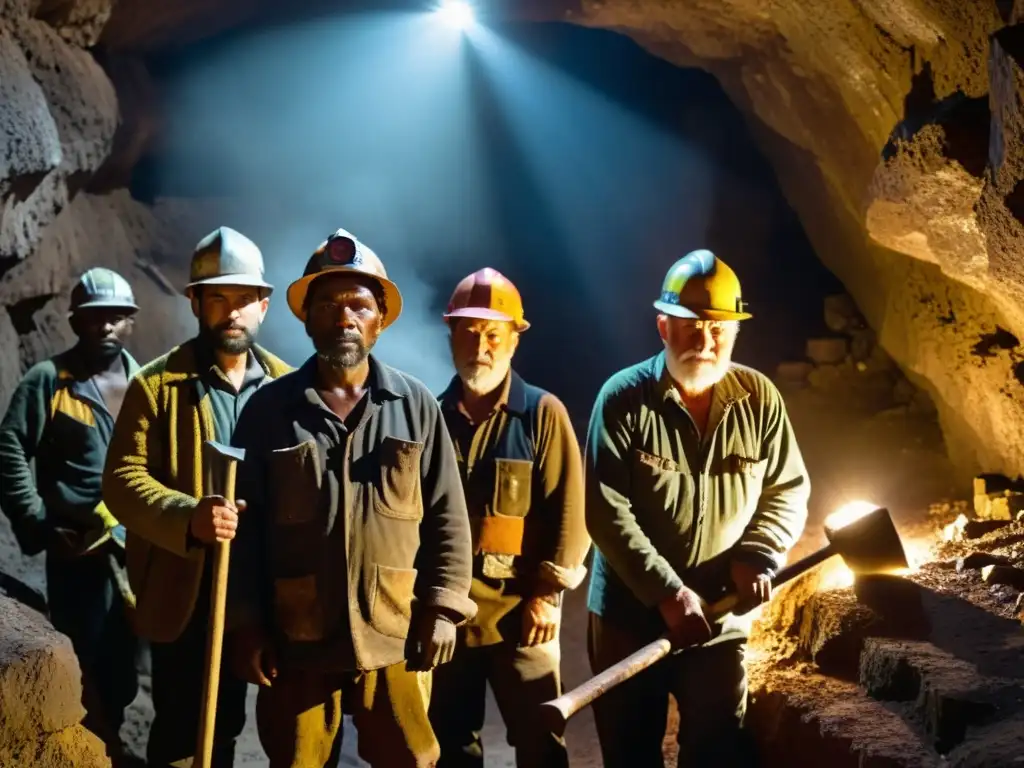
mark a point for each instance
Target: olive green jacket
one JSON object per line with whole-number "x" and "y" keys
{"x": 667, "y": 507}
{"x": 153, "y": 480}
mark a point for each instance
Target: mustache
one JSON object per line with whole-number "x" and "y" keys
{"x": 353, "y": 336}
{"x": 230, "y": 326}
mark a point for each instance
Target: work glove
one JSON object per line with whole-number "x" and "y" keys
{"x": 433, "y": 641}
{"x": 683, "y": 614}
{"x": 252, "y": 656}
{"x": 540, "y": 622}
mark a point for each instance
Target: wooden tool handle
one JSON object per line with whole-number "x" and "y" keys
{"x": 556, "y": 713}
{"x": 215, "y": 635}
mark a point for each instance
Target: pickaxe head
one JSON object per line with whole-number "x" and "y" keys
{"x": 211, "y": 448}
{"x": 869, "y": 544}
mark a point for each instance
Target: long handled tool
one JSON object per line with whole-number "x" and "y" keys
{"x": 869, "y": 544}
{"x": 220, "y": 463}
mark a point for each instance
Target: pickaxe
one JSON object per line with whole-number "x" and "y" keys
{"x": 869, "y": 544}
{"x": 220, "y": 463}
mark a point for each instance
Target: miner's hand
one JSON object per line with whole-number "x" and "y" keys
{"x": 540, "y": 622}
{"x": 753, "y": 585}
{"x": 215, "y": 519}
{"x": 684, "y": 617}
{"x": 252, "y": 656}
{"x": 435, "y": 641}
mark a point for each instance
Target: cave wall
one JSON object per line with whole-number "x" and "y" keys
{"x": 64, "y": 145}
{"x": 895, "y": 128}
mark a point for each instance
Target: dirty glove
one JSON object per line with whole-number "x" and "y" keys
{"x": 252, "y": 656}
{"x": 683, "y": 614}
{"x": 540, "y": 622}
{"x": 433, "y": 642}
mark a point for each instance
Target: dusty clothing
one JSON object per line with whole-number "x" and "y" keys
{"x": 709, "y": 685}
{"x": 667, "y": 506}
{"x": 58, "y": 420}
{"x": 521, "y": 679}
{"x": 300, "y": 718}
{"x": 351, "y": 525}
{"x": 178, "y": 688}
{"x": 523, "y": 478}
{"x": 154, "y": 479}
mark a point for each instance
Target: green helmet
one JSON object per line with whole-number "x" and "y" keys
{"x": 101, "y": 287}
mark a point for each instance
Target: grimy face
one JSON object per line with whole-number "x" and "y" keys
{"x": 697, "y": 352}
{"x": 230, "y": 316}
{"x": 482, "y": 352}
{"x": 343, "y": 319}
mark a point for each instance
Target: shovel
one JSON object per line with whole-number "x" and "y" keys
{"x": 220, "y": 463}
{"x": 869, "y": 544}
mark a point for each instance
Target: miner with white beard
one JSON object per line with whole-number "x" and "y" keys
{"x": 694, "y": 484}
{"x": 153, "y": 484}
{"x": 521, "y": 468}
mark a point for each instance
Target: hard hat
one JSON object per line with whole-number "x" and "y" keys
{"x": 489, "y": 295}
{"x": 100, "y": 287}
{"x": 342, "y": 252}
{"x": 700, "y": 285}
{"x": 226, "y": 257}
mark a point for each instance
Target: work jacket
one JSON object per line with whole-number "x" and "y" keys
{"x": 667, "y": 506}
{"x": 153, "y": 481}
{"x": 351, "y": 527}
{"x": 56, "y": 418}
{"x": 523, "y": 476}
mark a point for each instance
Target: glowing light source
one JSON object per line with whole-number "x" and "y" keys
{"x": 456, "y": 14}
{"x": 847, "y": 513}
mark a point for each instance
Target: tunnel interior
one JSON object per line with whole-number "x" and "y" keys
{"x": 568, "y": 158}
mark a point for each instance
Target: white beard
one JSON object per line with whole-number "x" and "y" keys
{"x": 694, "y": 378}
{"x": 482, "y": 380}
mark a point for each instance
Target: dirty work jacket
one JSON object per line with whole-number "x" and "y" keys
{"x": 154, "y": 478}
{"x": 523, "y": 476}
{"x": 347, "y": 533}
{"x": 57, "y": 418}
{"x": 667, "y": 508}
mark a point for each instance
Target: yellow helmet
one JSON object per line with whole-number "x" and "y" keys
{"x": 702, "y": 286}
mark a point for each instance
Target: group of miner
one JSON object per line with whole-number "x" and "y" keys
{"x": 395, "y": 550}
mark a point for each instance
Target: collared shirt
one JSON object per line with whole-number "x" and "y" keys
{"x": 667, "y": 505}
{"x": 553, "y": 532}
{"x": 225, "y": 401}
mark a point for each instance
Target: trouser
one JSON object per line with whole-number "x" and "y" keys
{"x": 178, "y": 691}
{"x": 300, "y": 718}
{"x": 709, "y": 685}
{"x": 522, "y": 679}
{"x": 86, "y": 605}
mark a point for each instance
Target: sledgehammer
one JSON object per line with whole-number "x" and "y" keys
{"x": 220, "y": 464}
{"x": 869, "y": 544}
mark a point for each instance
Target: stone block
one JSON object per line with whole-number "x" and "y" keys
{"x": 40, "y": 680}
{"x": 793, "y": 372}
{"x": 975, "y": 529}
{"x": 10, "y": 361}
{"x": 841, "y": 313}
{"x": 1003, "y": 574}
{"x": 978, "y": 560}
{"x": 833, "y": 629}
{"x": 827, "y": 351}
{"x": 79, "y": 22}
{"x": 948, "y": 693}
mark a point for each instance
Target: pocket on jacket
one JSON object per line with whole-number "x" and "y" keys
{"x": 500, "y": 534}
{"x": 512, "y": 487}
{"x": 391, "y": 602}
{"x": 298, "y": 608}
{"x": 400, "y": 492}
{"x": 295, "y": 483}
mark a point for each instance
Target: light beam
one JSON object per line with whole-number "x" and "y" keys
{"x": 456, "y": 14}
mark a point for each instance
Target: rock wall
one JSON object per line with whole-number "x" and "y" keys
{"x": 877, "y": 115}
{"x": 40, "y": 696}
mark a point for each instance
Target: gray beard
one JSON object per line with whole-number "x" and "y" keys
{"x": 342, "y": 358}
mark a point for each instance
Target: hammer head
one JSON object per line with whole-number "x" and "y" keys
{"x": 211, "y": 449}
{"x": 869, "y": 544}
